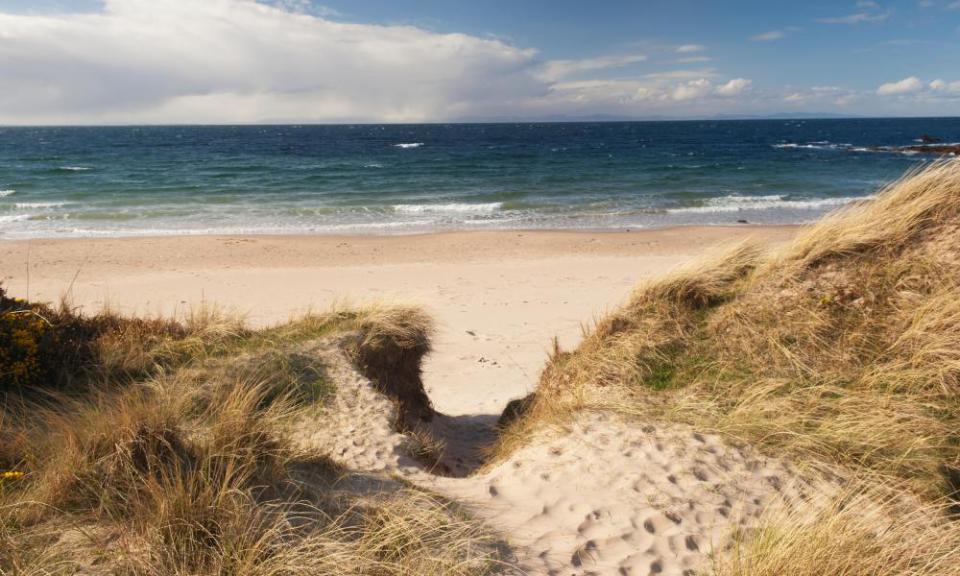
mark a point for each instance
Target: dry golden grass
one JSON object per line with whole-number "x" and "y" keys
{"x": 184, "y": 465}
{"x": 859, "y": 534}
{"x": 840, "y": 350}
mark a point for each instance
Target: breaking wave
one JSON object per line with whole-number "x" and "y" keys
{"x": 452, "y": 208}
{"x": 771, "y": 202}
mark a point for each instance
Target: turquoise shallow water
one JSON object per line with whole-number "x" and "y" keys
{"x": 114, "y": 181}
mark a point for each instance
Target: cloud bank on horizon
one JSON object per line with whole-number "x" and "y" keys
{"x": 240, "y": 61}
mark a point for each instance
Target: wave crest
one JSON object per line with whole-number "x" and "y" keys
{"x": 451, "y": 208}
{"x": 818, "y": 145}
{"x": 29, "y": 205}
{"x": 771, "y": 202}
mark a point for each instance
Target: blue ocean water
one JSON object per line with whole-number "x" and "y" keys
{"x": 109, "y": 181}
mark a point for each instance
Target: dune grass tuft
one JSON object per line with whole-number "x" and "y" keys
{"x": 858, "y": 534}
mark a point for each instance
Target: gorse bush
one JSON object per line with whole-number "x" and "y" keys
{"x": 28, "y": 343}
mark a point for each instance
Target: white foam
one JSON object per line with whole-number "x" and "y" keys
{"x": 818, "y": 145}
{"x": 359, "y": 227}
{"x": 14, "y": 218}
{"x": 406, "y": 145}
{"x": 771, "y": 202}
{"x": 29, "y": 205}
{"x": 5, "y": 193}
{"x": 913, "y": 151}
{"x": 74, "y": 168}
{"x": 453, "y": 208}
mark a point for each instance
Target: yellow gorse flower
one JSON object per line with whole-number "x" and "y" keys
{"x": 12, "y": 475}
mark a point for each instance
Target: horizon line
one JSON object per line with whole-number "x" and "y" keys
{"x": 583, "y": 120}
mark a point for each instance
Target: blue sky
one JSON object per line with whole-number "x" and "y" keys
{"x": 439, "y": 60}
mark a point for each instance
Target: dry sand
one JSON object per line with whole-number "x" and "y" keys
{"x": 498, "y": 297}
{"x": 602, "y": 497}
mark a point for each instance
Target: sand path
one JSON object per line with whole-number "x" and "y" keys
{"x": 602, "y": 497}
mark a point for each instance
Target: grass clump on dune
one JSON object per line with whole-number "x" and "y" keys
{"x": 844, "y": 538}
{"x": 170, "y": 453}
{"x": 840, "y": 349}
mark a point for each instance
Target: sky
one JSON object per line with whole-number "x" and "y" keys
{"x": 278, "y": 61}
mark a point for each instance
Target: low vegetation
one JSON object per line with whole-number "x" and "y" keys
{"x": 840, "y": 350}
{"x": 142, "y": 448}
{"x": 844, "y": 539}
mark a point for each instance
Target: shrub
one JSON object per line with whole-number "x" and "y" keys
{"x": 28, "y": 343}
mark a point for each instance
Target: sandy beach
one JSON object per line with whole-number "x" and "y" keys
{"x": 498, "y": 297}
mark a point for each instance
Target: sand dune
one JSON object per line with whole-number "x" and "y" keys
{"x": 602, "y": 497}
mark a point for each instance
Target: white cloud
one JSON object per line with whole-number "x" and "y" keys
{"x": 734, "y": 87}
{"x": 940, "y": 85}
{"x": 856, "y": 18}
{"x": 557, "y": 69}
{"x": 769, "y": 36}
{"x": 660, "y": 89}
{"x": 906, "y": 86}
{"x": 693, "y": 59}
{"x": 692, "y": 89}
{"x": 845, "y": 100}
{"x": 822, "y": 97}
{"x": 240, "y": 61}
{"x": 867, "y": 11}
{"x": 681, "y": 74}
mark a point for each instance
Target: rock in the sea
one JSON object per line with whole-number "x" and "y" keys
{"x": 935, "y": 149}
{"x": 942, "y": 149}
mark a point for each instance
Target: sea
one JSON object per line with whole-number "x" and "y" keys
{"x": 398, "y": 179}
